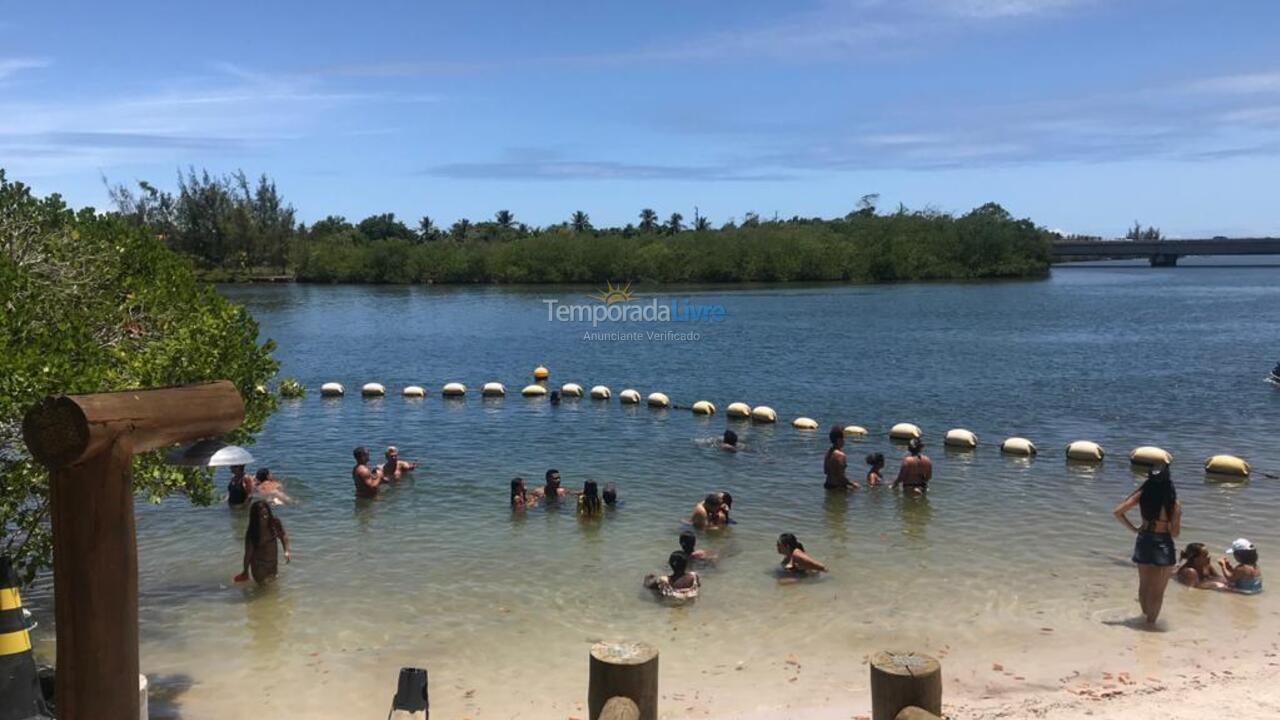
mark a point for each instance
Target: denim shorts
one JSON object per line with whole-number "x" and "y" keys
{"x": 1154, "y": 549}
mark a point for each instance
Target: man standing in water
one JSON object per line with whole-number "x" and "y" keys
{"x": 835, "y": 463}
{"x": 552, "y": 491}
{"x": 367, "y": 481}
{"x": 916, "y": 470}
{"x": 394, "y": 467}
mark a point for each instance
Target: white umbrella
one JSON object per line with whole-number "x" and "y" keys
{"x": 209, "y": 453}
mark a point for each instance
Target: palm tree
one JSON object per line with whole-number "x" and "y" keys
{"x": 675, "y": 223}
{"x": 460, "y": 228}
{"x": 580, "y": 221}
{"x": 504, "y": 218}
{"x": 427, "y": 228}
{"x": 648, "y": 220}
{"x": 702, "y": 224}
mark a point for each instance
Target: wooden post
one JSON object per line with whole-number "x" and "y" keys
{"x": 904, "y": 679}
{"x": 620, "y": 708}
{"x": 88, "y": 443}
{"x": 914, "y": 713}
{"x": 627, "y": 670}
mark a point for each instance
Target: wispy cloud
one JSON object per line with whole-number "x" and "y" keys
{"x": 562, "y": 170}
{"x": 12, "y": 66}
{"x": 1242, "y": 84}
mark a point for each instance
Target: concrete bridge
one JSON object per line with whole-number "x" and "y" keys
{"x": 1161, "y": 253}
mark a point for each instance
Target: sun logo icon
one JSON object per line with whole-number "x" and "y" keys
{"x": 614, "y": 294}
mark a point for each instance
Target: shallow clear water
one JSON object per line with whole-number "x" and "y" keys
{"x": 438, "y": 572}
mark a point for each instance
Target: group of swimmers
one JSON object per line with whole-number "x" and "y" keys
{"x": 369, "y": 480}
{"x": 591, "y": 501}
{"x": 913, "y": 477}
{"x": 262, "y": 486}
{"x": 1155, "y": 554}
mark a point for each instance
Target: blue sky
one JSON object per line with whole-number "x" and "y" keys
{"x": 1082, "y": 114}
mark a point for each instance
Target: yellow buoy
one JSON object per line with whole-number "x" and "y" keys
{"x": 533, "y": 391}
{"x": 332, "y": 389}
{"x": 414, "y": 391}
{"x": 454, "y": 389}
{"x": 704, "y": 407}
{"x": 804, "y": 423}
{"x": 493, "y": 389}
{"x": 855, "y": 431}
{"x": 960, "y": 438}
{"x": 571, "y": 390}
{"x": 659, "y": 400}
{"x": 1018, "y": 446}
{"x": 629, "y": 397}
{"x": 1148, "y": 455}
{"x": 1085, "y": 451}
{"x": 1227, "y": 465}
{"x": 904, "y": 431}
{"x": 541, "y": 373}
{"x": 601, "y": 392}
{"x": 763, "y": 414}
{"x": 373, "y": 390}
{"x": 739, "y": 410}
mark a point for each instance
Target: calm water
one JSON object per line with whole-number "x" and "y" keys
{"x": 438, "y": 572}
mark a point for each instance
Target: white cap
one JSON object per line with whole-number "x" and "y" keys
{"x": 1240, "y": 544}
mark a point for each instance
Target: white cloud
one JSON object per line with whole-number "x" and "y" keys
{"x": 12, "y": 66}
{"x": 1242, "y": 84}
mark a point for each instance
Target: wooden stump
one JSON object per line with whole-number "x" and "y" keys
{"x": 620, "y": 708}
{"x": 623, "y": 670}
{"x": 904, "y": 679}
{"x": 915, "y": 713}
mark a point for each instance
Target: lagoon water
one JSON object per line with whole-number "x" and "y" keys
{"x": 1007, "y": 558}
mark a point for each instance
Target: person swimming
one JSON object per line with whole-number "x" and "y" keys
{"x": 706, "y": 514}
{"x": 268, "y": 488}
{"x": 1246, "y": 577}
{"x": 835, "y": 462}
{"x": 610, "y": 495}
{"x": 729, "y": 442}
{"x": 794, "y": 557}
{"x": 916, "y": 470}
{"x": 688, "y": 545}
{"x": 395, "y": 468}
{"x": 1197, "y": 568}
{"x": 260, "y": 538}
{"x": 520, "y": 496}
{"x": 367, "y": 480}
{"x": 681, "y": 584}
{"x": 555, "y": 397}
{"x": 875, "y": 463}
{"x": 551, "y": 491}
{"x": 589, "y": 504}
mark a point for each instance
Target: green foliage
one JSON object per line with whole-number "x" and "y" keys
{"x": 291, "y": 388}
{"x": 1137, "y": 232}
{"x": 94, "y": 303}
{"x": 863, "y": 247}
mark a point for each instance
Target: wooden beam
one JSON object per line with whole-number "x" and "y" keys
{"x": 623, "y": 669}
{"x": 904, "y": 679}
{"x": 68, "y": 429}
{"x": 95, "y": 577}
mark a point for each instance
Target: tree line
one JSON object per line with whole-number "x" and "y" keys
{"x": 233, "y": 228}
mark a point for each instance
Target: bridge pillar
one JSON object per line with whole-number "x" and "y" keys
{"x": 1164, "y": 260}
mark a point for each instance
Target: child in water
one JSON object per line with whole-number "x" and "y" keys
{"x": 794, "y": 558}
{"x": 688, "y": 541}
{"x": 1197, "y": 569}
{"x": 681, "y": 584}
{"x": 610, "y": 495}
{"x": 1246, "y": 577}
{"x": 875, "y": 462}
{"x": 260, "y": 544}
{"x": 589, "y": 504}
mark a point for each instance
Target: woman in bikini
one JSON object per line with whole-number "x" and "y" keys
{"x": 1153, "y": 552}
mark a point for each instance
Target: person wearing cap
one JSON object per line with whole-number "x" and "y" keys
{"x": 916, "y": 470}
{"x": 1153, "y": 552}
{"x": 1246, "y": 577}
{"x": 395, "y": 468}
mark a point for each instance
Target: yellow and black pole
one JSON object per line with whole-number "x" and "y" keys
{"x": 20, "y": 697}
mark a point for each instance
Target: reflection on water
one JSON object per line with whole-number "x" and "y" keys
{"x": 440, "y": 572}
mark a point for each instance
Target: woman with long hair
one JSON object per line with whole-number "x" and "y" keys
{"x": 1153, "y": 552}
{"x": 519, "y": 495}
{"x": 589, "y": 504}
{"x": 260, "y": 549}
{"x": 794, "y": 557}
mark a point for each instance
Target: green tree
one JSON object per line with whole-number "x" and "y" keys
{"x": 384, "y": 227}
{"x": 427, "y": 230}
{"x": 97, "y": 303}
{"x": 648, "y": 220}
{"x": 504, "y": 218}
{"x": 702, "y": 224}
{"x": 580, "y": 221}
{"x": 675, "y": 223}
{"x": 459, "y": 229}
